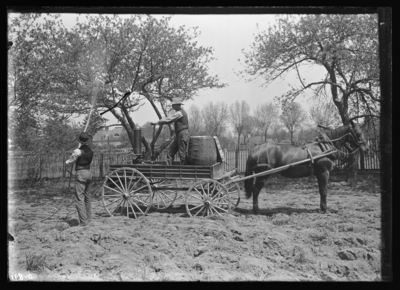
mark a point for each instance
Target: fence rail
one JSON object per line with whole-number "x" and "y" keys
{"x": 39, "y": 167}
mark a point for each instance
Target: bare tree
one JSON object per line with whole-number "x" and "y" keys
{"x": 238, "y": 116}
{"x": 196, "y": 123}
{"x": 293, "y": 117}
{"x": 249, "y": 128}
{"x": 215, "y": 118}
{"x": 265, "y": 114}
{"x": 324, "y": 112}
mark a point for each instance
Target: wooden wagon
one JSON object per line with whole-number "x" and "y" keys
{"x": 135, "y": 189}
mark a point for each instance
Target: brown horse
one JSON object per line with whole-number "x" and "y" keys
{"x": 271, "y": 155}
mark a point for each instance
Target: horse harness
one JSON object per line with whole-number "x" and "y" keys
{"x": 324, "y": 142}
{"x": 326, "y": 145}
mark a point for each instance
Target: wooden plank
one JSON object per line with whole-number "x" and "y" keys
{"x": 172, "y": 175}
{"x": 143, "y": 166}
{"x": 220, "y": 152}
{"x": 172, "y": 170}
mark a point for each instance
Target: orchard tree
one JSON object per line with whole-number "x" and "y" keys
{"x": 293, "y": 117}
{"x": 239, "y": 113}
{"x": 265, "y": 114}
{"x": 113, "y": 64}
{"x": 344, "y": 46}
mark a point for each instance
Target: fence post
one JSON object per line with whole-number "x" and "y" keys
{"x": 101, "y": 165}
{"x": 40, "y": 167}
{"x": 362, "y": 167}
{"x": 226, "y": 160}
{"x": 63, "y": 170}
{"x": 237, "y": 157}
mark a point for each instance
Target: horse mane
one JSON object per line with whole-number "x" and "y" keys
{"x": 337, "y": 133}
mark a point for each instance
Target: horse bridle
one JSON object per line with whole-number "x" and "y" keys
{"x": 358, "y": 143}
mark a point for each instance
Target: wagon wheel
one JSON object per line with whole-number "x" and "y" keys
{"x": 207, "y": 197}
{"x": 234, "y": 191}
{"x": 163, "y": 198}
{"x": 126, "y": 191}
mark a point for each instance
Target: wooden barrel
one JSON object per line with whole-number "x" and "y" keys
{"x": 202, "y": 150}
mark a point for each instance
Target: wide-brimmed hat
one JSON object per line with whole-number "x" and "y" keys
{"x": 176, "y": 101}
{"x": 84, "y": 138}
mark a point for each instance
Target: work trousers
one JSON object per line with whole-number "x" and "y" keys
{"x": 179, "y": 145}
{"x": 82, "y": 197}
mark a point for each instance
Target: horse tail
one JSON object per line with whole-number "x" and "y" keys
{"x": 248, "y": 183}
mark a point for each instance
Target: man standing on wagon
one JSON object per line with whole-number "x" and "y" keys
{"x": 83, "y": 158}
{"x": 181, "y": 122}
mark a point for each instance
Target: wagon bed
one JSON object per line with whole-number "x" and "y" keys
{"x": 160, "y": 170}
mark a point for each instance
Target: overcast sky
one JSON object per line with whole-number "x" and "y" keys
{"x": 227, "y": 35}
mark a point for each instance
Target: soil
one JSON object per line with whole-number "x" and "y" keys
{"x": 289, "y": 240}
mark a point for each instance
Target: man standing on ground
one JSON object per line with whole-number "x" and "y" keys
{"x": 181, "y": 122}
{"x": 83, "y": 158}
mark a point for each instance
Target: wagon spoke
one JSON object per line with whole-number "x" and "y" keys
{"x": 130, "y": 181}
{"x": 139, "y": 201}
{"x": 222, "y": 197}
{"x": 201, "y": 194}
{"x": 196, "y": 197}
{"x": 166, "y": 195}
{"x": 217, "y": 196}
{"x": 220, "y": 208}
{"x": 193, "y": 208}
{"x": 114, "y": 201}
{"x": 117, "y": 206}
{"x": 204, "y": 192}
{"x": 134, "y": 203}
{"x": 160, "y": 196}
{"x": 120, "y": 182}
{"x": 119, "y": 195}
{"x": 234, "y": 193}
{"x": 125, "y": 179}
{"x": 211, "y": 207}
{"x": 136, "y": 183}
{"x": 199, "y": 211}
{"x": 116, "y": 185}
{"x": 130, "y": 204}
{"x": 112, "y": 189}
{"x": 140, "y": 188}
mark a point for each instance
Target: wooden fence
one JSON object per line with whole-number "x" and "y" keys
{"x": 39, "y": 167}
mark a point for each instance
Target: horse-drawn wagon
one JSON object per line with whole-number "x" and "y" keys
{"x": 134, "y": 189}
